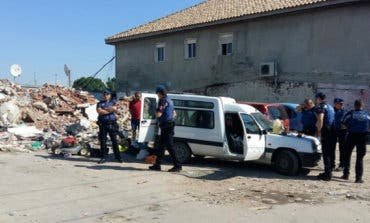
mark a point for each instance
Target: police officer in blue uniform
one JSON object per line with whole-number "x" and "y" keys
{"x": 308, "y": 118}
{"x": 325, "y": 125}
{"x": 107, "y": 125}
{"x": 165, "y": 114}
{"x": 340, "y": 133}
{"x": 357, "y": 122}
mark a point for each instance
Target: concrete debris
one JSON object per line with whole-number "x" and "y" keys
{"x": 9, "y": 113}
{"x": 25, "y": 131}
{"x": 32, "y": 119}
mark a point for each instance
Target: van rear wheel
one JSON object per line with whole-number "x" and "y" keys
{"x": 287, "y": 163}
{"x": 182, "y": 152}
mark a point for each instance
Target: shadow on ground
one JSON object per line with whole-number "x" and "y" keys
{"x": 211, "y": 169}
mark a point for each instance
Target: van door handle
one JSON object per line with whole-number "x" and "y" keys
{"x": 249, "y": 137}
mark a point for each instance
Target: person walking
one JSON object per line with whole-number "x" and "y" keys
{"x": 107, "y": 125}
{"x": 325, "y": 122}
{"x": 357, "y": 122}
{"x": 339, "y": 132}
{"x": 308, "y": 118}
{"x": 165, "y": 114}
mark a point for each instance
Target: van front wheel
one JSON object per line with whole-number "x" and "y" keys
{"x": 286, "y": 163}
{"x": 182, "y": 152}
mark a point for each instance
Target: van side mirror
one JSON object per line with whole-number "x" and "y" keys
{"x": 263, "y": 132}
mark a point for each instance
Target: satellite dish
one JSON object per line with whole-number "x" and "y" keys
{"x": 15, "y": 70}
{"x": 67, "y": 71}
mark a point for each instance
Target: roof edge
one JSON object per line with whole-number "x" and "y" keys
{"x": 230, "y": 20}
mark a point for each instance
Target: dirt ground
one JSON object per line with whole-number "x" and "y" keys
{"x": 38, "y": 187}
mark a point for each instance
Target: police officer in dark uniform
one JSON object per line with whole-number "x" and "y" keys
{"x": 340, "y": 133}
{"x": 325, "y": 122}
{"x": 357, "y": 122}
{"x": 308, "y": 118}
{"x": 107, "y": 125}
{"x": 165, "y": 114}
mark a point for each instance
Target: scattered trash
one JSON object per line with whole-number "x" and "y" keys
{"x": 142, "y": 154}
{"x": 150, "y": 159}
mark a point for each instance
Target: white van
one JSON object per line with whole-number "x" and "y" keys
{"x": 220, "y": 127}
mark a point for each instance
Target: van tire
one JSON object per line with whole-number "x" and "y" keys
{"x": 286, "y": 163}
{"x": 182, "y": 152}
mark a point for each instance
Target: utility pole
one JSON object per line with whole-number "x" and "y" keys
{"x": 34, "y": 79}
{"x": 67, "y": 71}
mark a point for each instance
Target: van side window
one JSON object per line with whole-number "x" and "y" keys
{"x": 149, "y": 108}
{"x": 250, "y": 125}
{"x": 194, "y": 118}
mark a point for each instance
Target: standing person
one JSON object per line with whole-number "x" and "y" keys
{"x": 325, "y": 122}
{"x": 165, "y": 114}
{"x": 357, "y": 122}
{"x": 107, "y": 125}
{"x": 339, "y": 132}
{"x": 135, "y": 111}
{"x": 308, "y": 119}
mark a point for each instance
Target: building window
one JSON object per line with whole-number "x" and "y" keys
{"x": 190, "y": 48}
{"x": 160, "y": 53}
{"x": 226, "y": 44}
{"x": 227, "y": 48}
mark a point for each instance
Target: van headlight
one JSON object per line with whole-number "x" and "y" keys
{"x": 316, "y": 145}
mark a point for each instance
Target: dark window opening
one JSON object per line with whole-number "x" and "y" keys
{"x": 192, "y": 50}
{"x": 226, "y": 48}
{"x": 160, "y": 54}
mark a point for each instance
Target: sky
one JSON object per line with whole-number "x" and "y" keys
{"x": 43, "y": 35}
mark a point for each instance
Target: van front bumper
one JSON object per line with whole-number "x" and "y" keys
{"x": 310, "y": 159}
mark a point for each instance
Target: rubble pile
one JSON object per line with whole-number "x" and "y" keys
{"x": 49, "y": 107}
{"x": 31, "y": 119}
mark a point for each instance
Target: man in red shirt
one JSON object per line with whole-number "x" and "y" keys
{"x": 135, "y": 110}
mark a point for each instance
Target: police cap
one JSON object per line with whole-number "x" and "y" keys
{"x": 338, "y": 100}
{"x": 320, "y": 95}
{"x": 106, "y": 92}
{"x": 160, "y": 88}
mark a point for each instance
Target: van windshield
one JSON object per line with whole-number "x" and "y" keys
{"x": 264, "y": 122}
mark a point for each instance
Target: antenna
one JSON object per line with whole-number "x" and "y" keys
{"x": 67, "y": 71}
{"x": 15, "y": 71}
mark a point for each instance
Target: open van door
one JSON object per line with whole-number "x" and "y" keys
{"x": 148, "y": 122}
{"x": 254, "y": 140}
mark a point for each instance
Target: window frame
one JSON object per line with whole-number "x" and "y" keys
{"x": 226, "y": 40}
{"x": 190, "y": 53}
{"x": 156, "y": 52}
{"x": 212, "y": 113}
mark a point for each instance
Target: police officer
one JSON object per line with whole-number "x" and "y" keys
{"x": 339, "y": 132}
{"x": 308, "y": 118}
{"x": 357, "y": 123}
{"x": 107, "y": 125}
{"x": 325, "y": 122}
{"x": 165, "y": 114}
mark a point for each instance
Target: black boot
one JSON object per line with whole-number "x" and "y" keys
{"x": 324, "y": 177}
{"x": 155, "y": 167}
{"x": 102, "y": 160}
{"x": 175, "y": 169}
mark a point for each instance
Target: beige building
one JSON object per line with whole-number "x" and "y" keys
{"x": 261, "y": 50}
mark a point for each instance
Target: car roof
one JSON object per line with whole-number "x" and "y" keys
{"x": 237, "y": 107}
{"x": 292, "y": 105}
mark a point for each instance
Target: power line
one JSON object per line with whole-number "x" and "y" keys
{"x": 97, "y": 72}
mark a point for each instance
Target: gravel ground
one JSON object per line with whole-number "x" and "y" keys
{"x": 38, "y": 187}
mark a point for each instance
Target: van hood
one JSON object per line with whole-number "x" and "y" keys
{"x": 304, "y": 144}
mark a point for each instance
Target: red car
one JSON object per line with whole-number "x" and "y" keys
{"x": 272, "y": 111}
